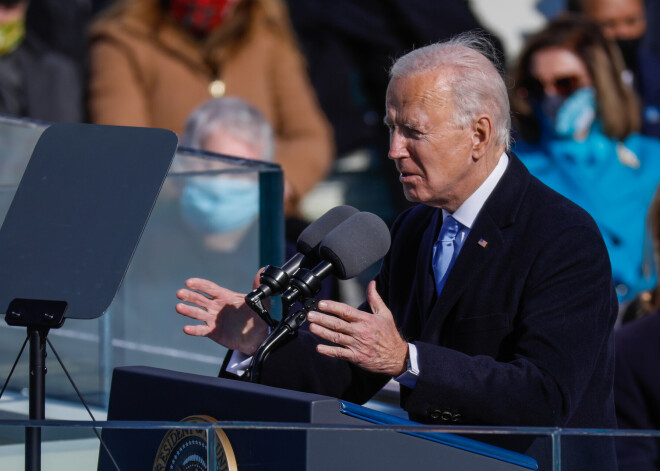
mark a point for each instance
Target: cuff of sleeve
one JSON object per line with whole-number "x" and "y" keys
{"x": 410, "y": 376}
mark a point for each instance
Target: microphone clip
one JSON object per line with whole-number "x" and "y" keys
{"x": 253, "y": 300}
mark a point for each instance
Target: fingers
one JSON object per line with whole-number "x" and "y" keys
{"x": 331, "y": 335}
{"x": 375, "y": 301}
{"x": 329, "y": 322}
{"x": 192, "y": 297}
{"x": 193, "y": 312}
{"x": 207, "y": 287}
{"x": 257, "y": 278}
{"x": 197, "y": 330}
{"x": 335, "y": 352}
{"x": 346, "y": 312}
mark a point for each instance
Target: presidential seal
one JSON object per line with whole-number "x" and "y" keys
{"x": 186, "y": 449}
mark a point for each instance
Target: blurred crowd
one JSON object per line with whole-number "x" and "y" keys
{"x": 584, "y": 94}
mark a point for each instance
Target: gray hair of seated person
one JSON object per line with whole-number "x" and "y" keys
{"x": 471, "y": 70}
{"x": 234, "y": 117}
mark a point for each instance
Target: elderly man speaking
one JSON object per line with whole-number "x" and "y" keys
{"x": 495, "y": 304}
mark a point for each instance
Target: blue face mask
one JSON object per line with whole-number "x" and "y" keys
{"x": 572, "y": 116}
{"x": 213, "y": 205}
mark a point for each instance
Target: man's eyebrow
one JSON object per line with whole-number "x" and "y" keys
{"x": 407, "y": 124}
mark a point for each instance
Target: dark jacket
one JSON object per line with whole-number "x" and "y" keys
{"x": 637, "y": 391}
{"x": 521, "y": 334}
{"x": 51, "y": 84}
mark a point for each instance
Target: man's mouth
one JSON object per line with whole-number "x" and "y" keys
{"x": 404, "y": 176}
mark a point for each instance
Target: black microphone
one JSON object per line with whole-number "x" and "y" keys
{"x": 274, "y": 280}
{"x": 347, "y": 250}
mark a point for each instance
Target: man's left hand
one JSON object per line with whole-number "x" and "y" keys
{"x": 371, "y": 341}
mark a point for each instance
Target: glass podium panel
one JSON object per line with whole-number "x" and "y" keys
{"x": 76, "y": 446}
{"x": 216, "y": 217}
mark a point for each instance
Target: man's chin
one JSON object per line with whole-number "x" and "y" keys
{"x": 412, "y": 197}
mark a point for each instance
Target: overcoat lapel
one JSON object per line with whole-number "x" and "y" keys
{"x": 498, "y": 212}
{"x": 425, "y": 285}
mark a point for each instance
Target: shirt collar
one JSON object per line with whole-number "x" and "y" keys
{"x": 468, "y": 211}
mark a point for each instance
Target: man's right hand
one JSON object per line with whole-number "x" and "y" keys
{"x": 226, "y": 318}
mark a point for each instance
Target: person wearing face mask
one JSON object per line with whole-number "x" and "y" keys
{"x": 577, "y": 132}
{"x": 35, "y": 82}
{"x": 222, "y": 208}
{"x": 625, "y": 22}
{"x": 206, "y": 221}
{"x": 153, "y": 61}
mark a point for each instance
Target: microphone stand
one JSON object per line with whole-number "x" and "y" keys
{"x": 286, "y": 329}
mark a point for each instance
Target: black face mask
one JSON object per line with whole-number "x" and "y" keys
{"x": 550, "y": 105}
{"x": 629, "y": 48}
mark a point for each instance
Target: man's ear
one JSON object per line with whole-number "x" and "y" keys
{"x": 482, "y": 133}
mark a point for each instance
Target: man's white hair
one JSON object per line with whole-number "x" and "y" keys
{"x": 469, "y": 67}
{"x": 233, "y": 116}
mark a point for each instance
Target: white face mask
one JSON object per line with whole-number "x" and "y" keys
{"x": 215, "y": 205}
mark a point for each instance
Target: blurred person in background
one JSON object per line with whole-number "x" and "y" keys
{"x": 35, "y": 81}
{"x": 636, "y": 379}
{"x": 153, "y": 61}
{"x": 206, "y": 220}
{"x": 577, "y": 124}
{"x": 625, "y": 22}
{"x": 207, "y": 216}
{"x": 64, "y": 26}
{"x": 225, "y": 207}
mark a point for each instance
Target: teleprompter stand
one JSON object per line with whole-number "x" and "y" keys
{"x": 39, "y": 317}
{"x": 70, "y": 233}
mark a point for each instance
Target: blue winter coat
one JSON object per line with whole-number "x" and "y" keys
{"x": 612, "y": 180}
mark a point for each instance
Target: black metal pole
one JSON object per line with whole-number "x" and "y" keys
{"x": 287, "y": 329}
{"x": 39, "y": 316}
{"x": 37, "y": 397}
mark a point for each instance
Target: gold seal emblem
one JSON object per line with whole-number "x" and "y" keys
{"x": 187, "y": 449}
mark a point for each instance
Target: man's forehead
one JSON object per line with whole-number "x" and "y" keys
{"x": 424, "y": 87}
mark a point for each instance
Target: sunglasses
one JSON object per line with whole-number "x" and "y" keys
{"x": 565, "y": 86}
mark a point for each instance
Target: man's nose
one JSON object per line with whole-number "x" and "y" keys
{"x": 397, "y": 146}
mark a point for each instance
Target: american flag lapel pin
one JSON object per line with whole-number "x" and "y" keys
{"x": 483, "y": 243}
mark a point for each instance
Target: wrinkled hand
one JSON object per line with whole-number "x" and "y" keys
{"x": 371, "y": 341}
{"x": 226, "y": 318}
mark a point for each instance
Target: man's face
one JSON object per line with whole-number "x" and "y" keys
{"x": 433, "y": 156}
{"x": 12, "y": 11}
{"x": 618, "y": 19}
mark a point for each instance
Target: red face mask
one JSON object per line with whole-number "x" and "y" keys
{"x": 201, "y": 16}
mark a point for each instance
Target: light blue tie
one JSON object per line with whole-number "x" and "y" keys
{"x": 445, "y": 250}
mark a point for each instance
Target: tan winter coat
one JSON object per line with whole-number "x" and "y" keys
{"x": 148, "y": 71}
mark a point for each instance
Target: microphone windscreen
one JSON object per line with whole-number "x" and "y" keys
{"x": 313, "y": 234}
{"x": 356, "y": 244}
